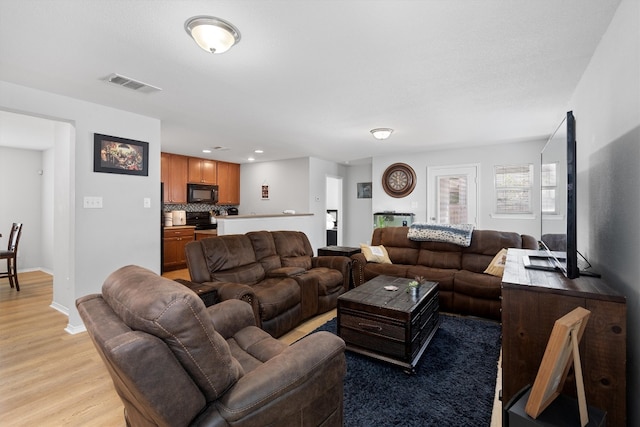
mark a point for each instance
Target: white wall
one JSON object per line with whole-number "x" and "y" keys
{"x": 288, "y": 182}
{"x": 298, "y": 184}
{"x": 606, "y": 104}
{"x": 91, "y": 243}
{"x": 21, "y": 201}
{"x": 333, "y": 193}
{"x": 358, "y": 224}
{"x": 319, "y": 170}
{"x": 487, "y": 157}
{"x": 48, "y": 203}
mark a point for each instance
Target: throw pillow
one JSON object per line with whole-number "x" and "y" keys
{"x": 376, "y": 254}
{"x": 496, "y": 267}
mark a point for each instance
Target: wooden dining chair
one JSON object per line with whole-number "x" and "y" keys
{"x": 11, "y": 255}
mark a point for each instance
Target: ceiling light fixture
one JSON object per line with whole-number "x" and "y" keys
{"x": 381, "y": 133}
{"x": 212, "y": 34}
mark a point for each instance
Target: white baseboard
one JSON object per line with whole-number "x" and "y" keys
{"x": 70, "y": 329}
{"x": 59, "y": 307}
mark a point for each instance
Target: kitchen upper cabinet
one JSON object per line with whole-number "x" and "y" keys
{"x": 202, "y": 171}
{"x": 228, "y": 183}
{"x": 173, "y": 172}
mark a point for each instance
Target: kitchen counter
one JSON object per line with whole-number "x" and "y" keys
{"x": 277, "y": 215}
{"x": 178, "y": 227}
{"x": 240, "y": 224}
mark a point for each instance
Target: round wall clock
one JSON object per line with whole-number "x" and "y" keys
{"x": 399, "y": 180}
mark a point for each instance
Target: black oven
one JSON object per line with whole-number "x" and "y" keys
{"x": 201, "y": 220}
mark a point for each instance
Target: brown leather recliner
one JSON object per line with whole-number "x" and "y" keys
{"x": 175, "y": 362}
{"x": 275, "y": 270}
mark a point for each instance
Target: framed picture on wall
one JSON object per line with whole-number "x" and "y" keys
{"x": 364, "y": 190}
{"x": 112, "y": 154}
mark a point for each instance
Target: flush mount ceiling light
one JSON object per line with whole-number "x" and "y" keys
{"x": 212, "y": 34}
{"x": 381, "y": 133}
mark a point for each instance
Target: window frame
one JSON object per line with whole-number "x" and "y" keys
{"x": 501, "y": 170}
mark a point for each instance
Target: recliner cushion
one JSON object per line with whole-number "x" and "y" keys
{"x": 228, "y": 252}
{"x": 294, "y": 248}
{"x": 276, "y": 296}
{"x": 249, "y": 274}
{"x": 265, "y": 249}
{"x": 164, "y": 308}
{"x": 329, "y": 279}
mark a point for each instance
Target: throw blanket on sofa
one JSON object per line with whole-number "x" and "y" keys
{"x": 459, "y": 234}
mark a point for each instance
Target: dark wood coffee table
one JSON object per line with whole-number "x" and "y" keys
{"x": 393, "y": 326}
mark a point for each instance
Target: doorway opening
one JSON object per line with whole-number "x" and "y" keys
{"x": 334, "y": 211}
{"x": 452, "y": 194}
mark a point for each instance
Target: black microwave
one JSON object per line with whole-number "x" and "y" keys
{"x": 202, "y": 193}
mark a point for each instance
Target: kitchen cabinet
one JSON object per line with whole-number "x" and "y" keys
{"x": 174, "y": 241}
{"x": 202, "y": 171}
{"x": 228, "y": 183}
{"x": 173, "y": 173}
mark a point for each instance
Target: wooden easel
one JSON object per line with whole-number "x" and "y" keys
{"x": 556, "y": 362}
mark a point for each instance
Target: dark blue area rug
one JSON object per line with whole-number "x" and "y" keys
{"x": 454, "y": 384}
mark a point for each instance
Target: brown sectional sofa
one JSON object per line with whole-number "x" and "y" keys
{"x": 463, "y": 286}
{"x": 275, "y": 271}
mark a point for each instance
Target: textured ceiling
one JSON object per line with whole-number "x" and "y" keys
{"x": 311, "y": 78}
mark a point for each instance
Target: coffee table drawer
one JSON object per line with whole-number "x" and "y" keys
{"x": 372, "y": 326}
{"x": 372, "y": 334}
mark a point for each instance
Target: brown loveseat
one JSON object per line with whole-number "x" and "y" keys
{"x": 175, "y": 362}
{"x": 274, "y": 270}
{"x": 463, "y": 286}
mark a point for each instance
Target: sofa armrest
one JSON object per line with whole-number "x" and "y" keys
{"x": 300, "y": 374}
{"x": 358, "y": 261}
{"x": 231, "y": 291}
{"x": 529, "y": 242}
{"x": 285, "y": 272}
{"x": 230, "y": 316}
{"x": 340, "y": 263}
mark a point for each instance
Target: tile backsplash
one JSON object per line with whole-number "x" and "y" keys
{"x": 194, "y": 207}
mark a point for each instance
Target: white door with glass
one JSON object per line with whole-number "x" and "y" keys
{"x": 452, "y": 194}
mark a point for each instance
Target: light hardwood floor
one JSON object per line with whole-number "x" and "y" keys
{"x": 51, "y": 378}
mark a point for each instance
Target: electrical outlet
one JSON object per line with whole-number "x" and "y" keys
{"x": 90, "y": 202}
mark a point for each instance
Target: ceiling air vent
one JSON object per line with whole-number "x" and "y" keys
{"x": 132, "y": 84}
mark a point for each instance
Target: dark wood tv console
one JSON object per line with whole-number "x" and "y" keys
{"x": 532, "y": 300}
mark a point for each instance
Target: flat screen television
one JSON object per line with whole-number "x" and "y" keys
{"x": 558, "y": 202}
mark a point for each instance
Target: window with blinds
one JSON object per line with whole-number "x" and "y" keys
{"x": 453, "y": 199}
{"x": 549, "y": 185}
{"x": 513, "y": 187}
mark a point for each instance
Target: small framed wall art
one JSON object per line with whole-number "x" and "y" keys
{"x": 364, "y": 190}
{"x": 112, "y": 154}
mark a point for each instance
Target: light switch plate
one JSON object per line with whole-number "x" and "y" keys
{"x": 92, "y": 202}
{"x": 147, "y": 202}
